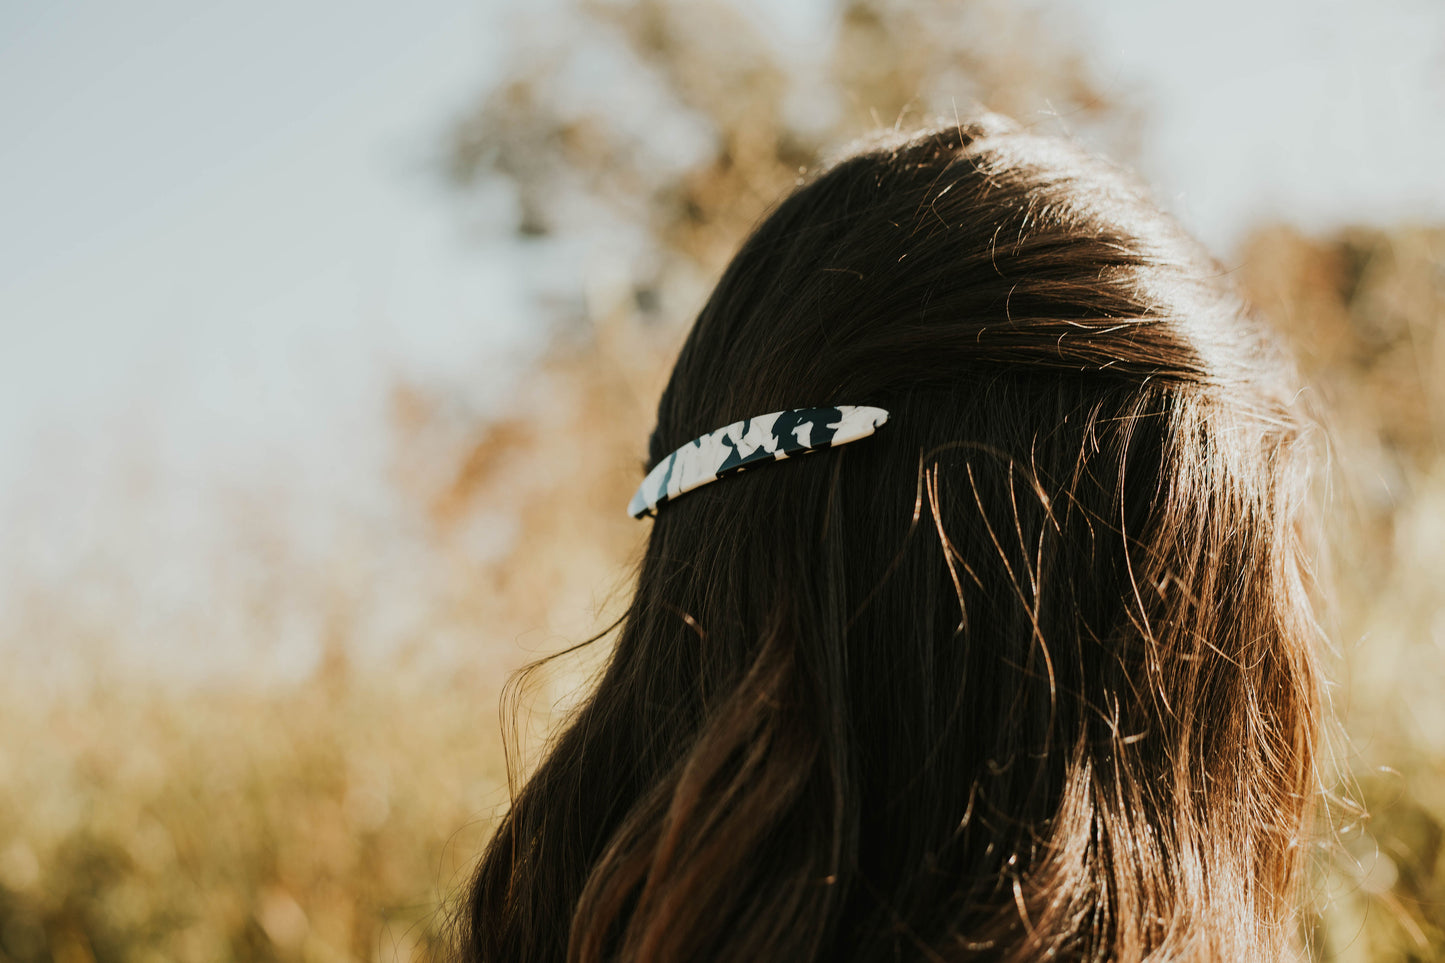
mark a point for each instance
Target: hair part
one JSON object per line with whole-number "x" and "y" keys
{"x": 1029, "y": 674}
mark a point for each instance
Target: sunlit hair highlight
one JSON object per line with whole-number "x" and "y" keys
{"x": 1028, "y": 675}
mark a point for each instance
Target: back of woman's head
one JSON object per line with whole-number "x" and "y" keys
{"x": 1025, "y": 675}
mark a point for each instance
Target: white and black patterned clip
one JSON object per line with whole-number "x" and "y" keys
{"x": 764, "y": 438}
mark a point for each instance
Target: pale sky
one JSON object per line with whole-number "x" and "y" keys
{"x": 222, "y": 233}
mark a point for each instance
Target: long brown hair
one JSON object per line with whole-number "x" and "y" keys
{"x": 1027, "y": 675}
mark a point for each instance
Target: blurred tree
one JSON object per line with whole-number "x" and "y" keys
{"x": 747, "y": 112}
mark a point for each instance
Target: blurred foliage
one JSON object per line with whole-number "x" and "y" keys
{"x": 703, "y": 121}
{"x": 325, "y": 823}
{"x": 333, "y": 820}
{"x": 1364, "y": 311}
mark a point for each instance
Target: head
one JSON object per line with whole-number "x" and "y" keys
{"x": 1027, "y": 672}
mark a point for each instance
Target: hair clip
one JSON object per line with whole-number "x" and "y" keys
{"x": 745, "y": 443}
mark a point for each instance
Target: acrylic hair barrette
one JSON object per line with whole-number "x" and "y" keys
{"x": 744, "y": 443}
